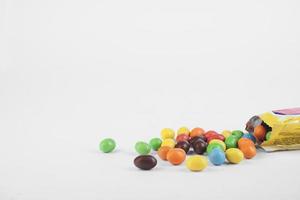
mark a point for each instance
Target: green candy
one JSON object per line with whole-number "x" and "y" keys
{"x": 237, "y": 133}
{"x": 268, "y": 135}
{"x": 155, "y": 143}
{"x": 211, "y": 146}
{"x": 142, "y": 148}
{"x": 231, "y": 142}
{"x": 107, "y": 145}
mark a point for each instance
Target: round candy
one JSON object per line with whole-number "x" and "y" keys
{"x": 249, "y": 136}
{"x": 182, "y": 137}
{"x": 226, "y": 133}
{"x": 107, "y": 145}
{"x": 183, "y": 145}
{"x": 245, "y": 142}
{"x": 196, "y": 132}
{"x": 212, "y": 146}
{"x": 155, "y": 143}
{"x": 183, "y": 130}
{"x": 199, "y": 146}
{"x": 167, "y": 133}
{"x": 231, "y": 142}
{"x": 142, "y": 148}
{"x": 260, "y": 132}
{"x": 196, "y": 163}
{"x": 210, "y": 133}
{"x": 168, "y": 142}
{"x": 252, "y": 123}
{"x": 237, "y": 133}
{"x": 219, "y": 142}
{"x": 234, "y": 155}
{"x": 216, "y": 136}
{"x": 163, "y": 151}
{"x": 249, "y": 152}
{"x": 191, "y": 140}
{"x": 216, "y": 156}
{"x": 176, "y": 156}
{"x": 268, "y": 135}
{"x": 145, "y": 162}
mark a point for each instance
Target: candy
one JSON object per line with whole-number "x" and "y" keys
{"x": 182, "y": 137}
{"x": 196, "y": 163}
{"x": 176, "y": 156}
{"x": 199, "y": 146}
{"x": 234, "y": 155}
{"x": 212, "y": 146}
{"x": 237, "y": 133}
{"x": 249, "y": 152}
{"x": 107, "y": 145}
{"x": 226, "y": 133}
{"x": 155, "y": 143}
{"x": 191, "y": 140}
{"x": 145, "y": 162}
{"x": 167, "y": 133}
{"x": 249, "y": 136}
{"x": 168, "y": 142}
{"x": 142, "y": 148}
{"x": 252, "y": 123}
{"x": 183, "y": 145}
{"x": 219, "y": 142}
{"x": 259, "y": 132}
{"x": 231, "y": 142}
{"x": 163, "y": 151}
{"x": 216, "y": 136}
{"x": 245, "y": 142}
{"x": 196, "y": 132}
{"x": 216, "y": 156}
{"x": 210, "y": 133}
{"x": 268, "y": 135}
{"x": 183, "y": 130}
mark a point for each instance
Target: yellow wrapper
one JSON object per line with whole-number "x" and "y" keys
{"x": 285, "y": 126}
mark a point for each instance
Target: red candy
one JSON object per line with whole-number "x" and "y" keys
{"x": 182, "y": 137}
{"x": 218, "y": 137}
{"x": 210, "y": 133}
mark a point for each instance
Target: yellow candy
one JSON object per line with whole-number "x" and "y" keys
{"x": 234, "y": 155}
{"x": 196, "y": 163}
{"x": 167, "y": 133}
{"x": 226, "y": 133}
{"x": 219, "y": 142}
{"x": 183, "y": 130}
{"x": 168, "y": 142}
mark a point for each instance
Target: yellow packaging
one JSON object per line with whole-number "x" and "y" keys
{"x": 285, "y": 126}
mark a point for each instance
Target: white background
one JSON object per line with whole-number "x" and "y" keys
{"x": 74, "y": 72}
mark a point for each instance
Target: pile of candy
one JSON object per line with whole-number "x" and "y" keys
{"x": 231, "y": 145}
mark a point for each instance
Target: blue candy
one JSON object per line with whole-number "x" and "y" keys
{"x": 250, "y": 136}
{"x": 216, "y": 156}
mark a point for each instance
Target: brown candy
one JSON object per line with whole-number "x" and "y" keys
{"x": 183, "y": 145}
{"x": 252, "y": 123}
{"x": 196, "y": 138}
{"x": 199, "y": 146}
{"x": 145, "y": 162}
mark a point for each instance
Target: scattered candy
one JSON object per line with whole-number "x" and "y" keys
{"x": 245, "y": 142}
{"x": 176, "y": 156}
{"x": 142, "y": 148}
{"x": 217, "y": 136}
{"x": 212, "y": 146}
{"x": 249, "y": 152}
{"x": 234, "y": 155}
{"x": 231, "y": 142}
{"x": 183, "y": 145}
{"x": 163, "y": 151}
{"x": 219, "y": 142}
{"x": 155, "y": 143}
{"x": 216, "y": 156}
{"x": 183, "y": 130}
{"x": 145, "y": 162}
{"x": 196, "y": 132}
{"x": 107, "y": 145}
{"x": 199, "y": 146}
{"x": 196, "y": 163}
{"x": 250, "y": 136}
{"x": 226, "y": 133}
{"x": 167, "y": 133}
{"x": 237, "y": 133}
{"x": 182, "y": 137}
{"x": 168, "y": 142}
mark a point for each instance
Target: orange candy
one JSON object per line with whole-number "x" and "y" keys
{"x": 245, "y": 142}
{"x": 163, "y": 151}
{"x": 260, "y": 132}
{"x": 196, "y": 132}
{"x": 249, "y": 152}
{"x": 176, "y": 156}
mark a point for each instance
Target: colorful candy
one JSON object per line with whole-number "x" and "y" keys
{"x": 226, "y": 133}
{"x": 107, "y": 145}
{"x": 259, "y": 132}
{"x": 163, "y": 151}
{"x": 250, "y": 136}
{"x": 176, "y": 156}
{"x": 212, "y": 146}
{"x": 216, "y": 136}
{"x": 196, "y": 163}
{"x": 155, "y": 143}
{"x": 234, "y": 155}
{"x": 268, "y": 135}
{"x": 245, "y": 142}
{"x": 199, "y": 146}
{"x": 167, "y": 133}
{"x": 182, "y": 137}
{"x": 142, "y": 148}
{"x": 183, "y": 145}
{"x": 183, "y": 130}
{"x": 249, "y": 152}
{"x": 216, "y": 156}
{"x": 196, "y": 132}
{"x": 145, "y": 162}
{"x": 219, "y": 142}
{"x": 237, "y": 133}
{"x": 168, "y": 142}
{"x": 231, "y": 142}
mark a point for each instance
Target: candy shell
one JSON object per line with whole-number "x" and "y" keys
{"x": 231, "y": 142}
{"x": 216, "y": 156}
{"x": 182, "y": 137}
{"x": 107, "y": 145}
{"x": 249, "y": 136}
{"x": 259, "y": 132}
{"x": 155, "y": 143}
{"x": 245, "y": 142}
{"x": 212, "y": 146}
{"x": 163, "y": 151}
{"x": 168, "y": 142}
{"x": 196, "y": 132}
{"x": 145, "y": 162}
{"x": 237, "y": 133}
{"x": 249, "y": 152}
{"x": 183, "y": 130}
{"x": 142, "y": 148}
{"x": 183, "y": 145}
{"x": 234, "y": 155}
{"x": 219, "y": 142}
{"x": 176, "y": 156}
{"x": 196, "y": 163}
{"x": 167, "y": 133}
{"x": 226, "y": 133}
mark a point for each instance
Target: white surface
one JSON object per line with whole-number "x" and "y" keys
{"x": 74, "y": 72}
